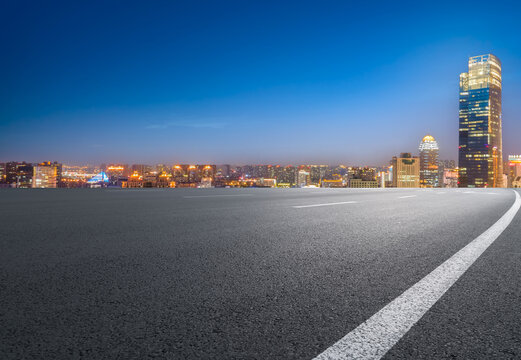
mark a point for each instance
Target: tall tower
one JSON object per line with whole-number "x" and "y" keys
{"x": 480, "y": 144}
{"x": 429, "y": 174}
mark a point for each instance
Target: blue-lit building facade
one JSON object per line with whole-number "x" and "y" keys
{"x": 480, "y": 141}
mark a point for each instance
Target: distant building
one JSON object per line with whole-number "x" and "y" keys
{"x": 359, "y": 183}
{"x": 365, "y": 173}
{"x": 135, "y": 180}
{"x": 264, "y": 182}
{"x": 286, "y": 176}
{"x": 192, "y": 175}
{"x": 117, "y": 170}
{"x": 332, "y": 183}
{"x": 429, "y": 175}
{"x": 317, "y": 173}
{"x": 480, "y": 139}
{"x": 2, "y": 173}
{"x": 514, "y": 169}
{"x": 224, "y": 170}
{"x": 164, "y": 180}
{"x": 450, "y": 178}
{"x": 361, "y": 177}
{"x": 99, "y": 180}
{"x": 206, "y": 182}
{"x": 303, "y": 178}
{"x": 406, "y": 171}
{"x": 46, "y": 175}
{"x": 263, "y": 171}
{"x": 149, "y": 180}
{"x": 383, "y": 178}
{"x": 141, "y": 169}
{"x": 162, "y": 168}
{"x": 19, "y": 175}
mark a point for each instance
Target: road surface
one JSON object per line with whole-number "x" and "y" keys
{"x": 258, "y": 273}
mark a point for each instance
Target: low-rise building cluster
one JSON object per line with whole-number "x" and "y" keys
{"x": 404, "y": 171}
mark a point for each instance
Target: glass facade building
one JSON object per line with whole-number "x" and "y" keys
{"x": 429, "y": 171}
{"x": 480, "y": 145}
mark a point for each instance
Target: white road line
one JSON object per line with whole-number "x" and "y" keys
{"x": 326, "y": 204}
{"x": 404, "y": 197}
{"x": 377, "y": 335}
{"x": 206, "y": 196}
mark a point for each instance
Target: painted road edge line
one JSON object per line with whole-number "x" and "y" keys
{"x": 407, "y": 196}
{"x": 326, "y": 204}
{"x": 377, "y": 335}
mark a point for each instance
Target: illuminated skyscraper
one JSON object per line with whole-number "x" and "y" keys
{"x": 480, "y": 144}
{"x": 429, "y": 174}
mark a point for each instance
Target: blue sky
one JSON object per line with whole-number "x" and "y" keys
{"x": 245, "y": 82}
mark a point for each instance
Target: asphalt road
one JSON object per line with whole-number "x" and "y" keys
{"x": 249, "y": 273}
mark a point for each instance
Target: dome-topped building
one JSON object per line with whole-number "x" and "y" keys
{"x": 429, "y": 175}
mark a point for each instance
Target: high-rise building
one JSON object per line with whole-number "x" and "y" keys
{"x": 406, "y": 171}
{"x": 480, "y": 143}
{"x": 47, "y": 175}
{"x": 429, "y": 174}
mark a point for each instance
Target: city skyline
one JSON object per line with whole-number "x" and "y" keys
{"x": 264, "y": 99}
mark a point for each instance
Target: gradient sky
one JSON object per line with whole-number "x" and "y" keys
{"x": 245, "y": 82}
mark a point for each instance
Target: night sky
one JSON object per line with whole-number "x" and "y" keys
{"x": 245, "y": 82}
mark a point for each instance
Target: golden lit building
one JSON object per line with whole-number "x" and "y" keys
{"x": 406, "y": 171}
{"x": 116, "y": 170}
{"x": 335, "y": 183}
{"x": 135, "y": 180}
{"x": 360, "y": 183}
{"x": 193, "y": 174}
{"x": 46, "y": 175}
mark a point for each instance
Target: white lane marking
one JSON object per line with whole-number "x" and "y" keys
{"x": 326, "y": 204}
{"x": 206, "y": 196}
{"x": 404, "y": 197}
{"x": 377, "y": 335}
{"x": 469, "y": 192}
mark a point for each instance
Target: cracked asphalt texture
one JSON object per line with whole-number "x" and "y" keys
{"x": 150, "y": 273}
